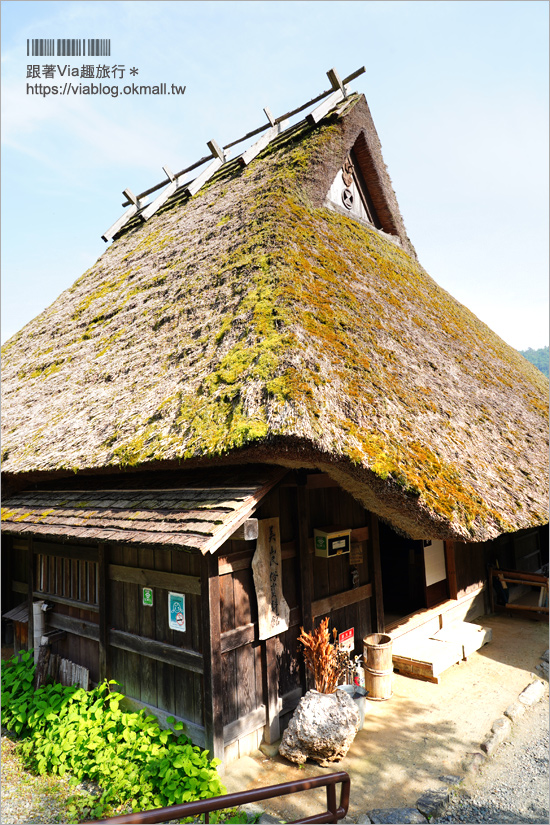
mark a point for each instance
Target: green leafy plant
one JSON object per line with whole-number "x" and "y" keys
{"x": 136, "y": 763}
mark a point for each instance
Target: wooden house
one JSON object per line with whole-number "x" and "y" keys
{"x": 257, "y": 409}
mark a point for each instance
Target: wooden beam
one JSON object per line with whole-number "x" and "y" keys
{"x": 78, "y": 627}
{"x": 531, "y": 608}
{"x": 521, "y": 577}
{"x": 326, "y": 106}
{"x": 103, "y": 594}
{"x": 251, "y": 503}
{"x": 254, "y": 150}
{"x": 65, "y": 552}
{"x": 269, "y": 116}
{"x": 193, "y": 187}
{"x": 376, "y": 575}
{"x": 151, "y": 208}
{"x": 217, "y": 152}
{"x": 161, "y": 652}
{"x": 179, "y": 174}
{"x": 335, "y": 81}
{"x": 118, "y": 224}
{"x": 270, "y": 678}
{"x": 235, "y": 562}
{"x": 19, "y": 587}
{"x": 248, "y": 531}
{"x": 48, "y": 597}
{"x": 240, "y": 636}
{"x": 155, "y": 578}
{"x": 324, "y": 606}
{"x": 243, "y": 726}
{"x": 211, "y": 645}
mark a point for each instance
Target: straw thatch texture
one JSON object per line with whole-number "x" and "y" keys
{"x": 176, "y": 512}
{"x": 252, "y": 323}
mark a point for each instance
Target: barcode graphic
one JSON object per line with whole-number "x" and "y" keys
{"x": 65, "y": 47}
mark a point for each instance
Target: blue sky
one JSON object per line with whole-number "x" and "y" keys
{"x": 458, "y": 92}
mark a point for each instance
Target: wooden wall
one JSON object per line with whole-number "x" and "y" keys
{"x": 332, "y": 577}
{"x": 144, "y": 675}
{"x": 469, "y": 566}
{"x": 264, "y": 680}
{"x": 228, "y": 687}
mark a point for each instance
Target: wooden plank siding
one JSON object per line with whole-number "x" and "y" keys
{"x": 333, "y": 593}
{"x": 470, "y": 572}
{"x": 132, "y": 642}
{"x": 227, "y": 686}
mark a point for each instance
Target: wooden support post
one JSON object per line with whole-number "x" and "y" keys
{"x": 30, "y": 581}
{"x": 103, "y": 595}
{"x": 375, "y": 572}
{"x": 306, "y": 584}
{"x": 305, "y": 558}
{"x": 491, "y": 591}
{"x": 270, "y": 676}
{"x": 211, "y": 648}
{"x": 451, "y": 568}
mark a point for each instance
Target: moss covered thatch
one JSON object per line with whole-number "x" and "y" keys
{"x": 252, "y": 323}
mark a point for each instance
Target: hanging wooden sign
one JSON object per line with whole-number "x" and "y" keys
{"x": 267, "y": 569}
{"x": 356, "y": 553}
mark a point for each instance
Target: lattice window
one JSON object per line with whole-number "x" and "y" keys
{"x": 72, "y": 579}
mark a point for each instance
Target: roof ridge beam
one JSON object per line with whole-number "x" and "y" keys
{"x": 220, "y": 157}
{"x": 326, "y": 106}
{"x": 136, "y": 205}
{"x": 254, "y": 150}
{"x": 339, "y": 91}
{"x": 169, "y": 190}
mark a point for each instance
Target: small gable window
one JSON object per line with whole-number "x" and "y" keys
{"x": 349, "y": 193}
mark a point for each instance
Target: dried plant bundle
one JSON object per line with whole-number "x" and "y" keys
{"x": 323, "y": 657}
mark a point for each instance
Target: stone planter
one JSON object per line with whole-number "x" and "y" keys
{"x": 322, "y": 728}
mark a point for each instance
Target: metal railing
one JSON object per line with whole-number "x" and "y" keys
{"x": 205, "y": 806}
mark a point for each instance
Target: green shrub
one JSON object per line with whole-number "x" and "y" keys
{"x": 85, "y": 733}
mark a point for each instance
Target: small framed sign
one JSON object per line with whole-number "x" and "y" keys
{"x": 346, "y": 640}
{"x": 176, "y": 611}
{"x": 148, "y": 596}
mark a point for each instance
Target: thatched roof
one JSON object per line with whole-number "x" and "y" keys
{"x": 252, "y": 323}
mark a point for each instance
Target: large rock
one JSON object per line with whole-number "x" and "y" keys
{"x": 531, "y": 694}
{"x": 322, "y": 728}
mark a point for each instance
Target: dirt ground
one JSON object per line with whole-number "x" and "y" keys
{"x": 421, "y": 733}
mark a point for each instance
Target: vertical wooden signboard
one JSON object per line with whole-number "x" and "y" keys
{"x": 267, "y": 568}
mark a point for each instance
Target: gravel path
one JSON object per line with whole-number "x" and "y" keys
{"x": 27, "y": 798}
{"x": 513, "y": 786}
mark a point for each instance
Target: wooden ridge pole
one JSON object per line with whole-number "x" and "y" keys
{"x": 254, "y": 132}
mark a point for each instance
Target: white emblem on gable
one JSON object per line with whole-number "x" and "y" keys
{"x": 344, "y": 192}
{"x": 347, "y": 198}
